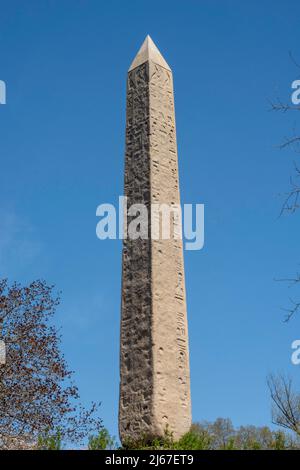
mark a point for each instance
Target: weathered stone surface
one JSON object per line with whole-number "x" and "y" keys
{"x": 154, "y": 356}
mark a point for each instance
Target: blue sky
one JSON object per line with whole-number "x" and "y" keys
{"x": 62, "y": 151}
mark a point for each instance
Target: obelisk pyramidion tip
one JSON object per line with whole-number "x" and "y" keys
{"x": 148, "y": 51}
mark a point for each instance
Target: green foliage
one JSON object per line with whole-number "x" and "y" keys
{"x": 193, "y": 441}
{"x": 50, "y": 441}
{"x": 219, "y": 435}
{"x": 230, "y": 444}
{"x": 280, "y": 441}
{"x": 155, "y": 444}
{"x": 102, "y": 441}
{"x": 190, "y": 441}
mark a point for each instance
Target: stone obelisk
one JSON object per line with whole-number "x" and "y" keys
{"x": 154, "y": 355}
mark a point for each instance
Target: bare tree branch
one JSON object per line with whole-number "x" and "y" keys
{"x": 286, "y": 403}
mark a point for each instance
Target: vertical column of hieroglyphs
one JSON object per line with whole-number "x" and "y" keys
{"x": 171, "y": 401}
{"x": 136, "y": 386}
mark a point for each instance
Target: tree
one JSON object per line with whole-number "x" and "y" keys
{"x": 102, "y": 441}
{"x": 286, "y": 403}
{"x": 37, "y": 394}
{"x": 50, "y": 441}
{"x": 222, "y": 433}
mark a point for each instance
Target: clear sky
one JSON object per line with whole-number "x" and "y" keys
{"x": 62, "y": 152}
